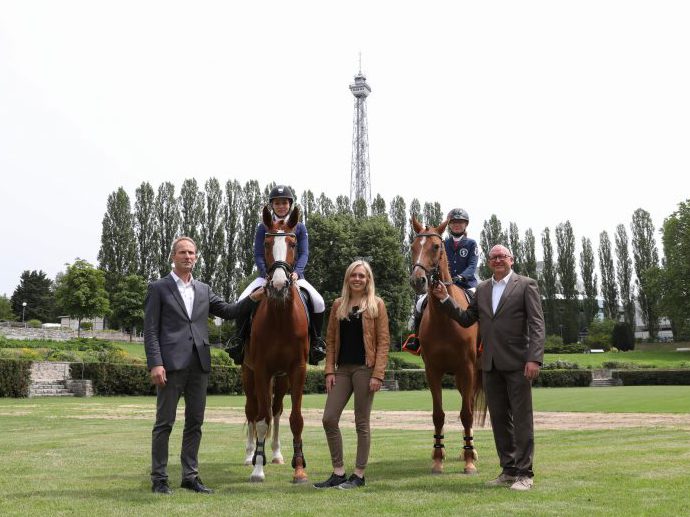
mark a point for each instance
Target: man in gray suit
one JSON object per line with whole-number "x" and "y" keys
{"x": 511, "y": 326}
{"x": 178, "y": 356}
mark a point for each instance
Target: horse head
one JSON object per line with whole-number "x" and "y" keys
{"x": 429, "y": 263}
{"x": 280, "y": 244}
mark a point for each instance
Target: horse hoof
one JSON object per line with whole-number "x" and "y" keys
{"x": 435, "y": 472}
{"x": 299, "y": 481}
{"x": 470, "y": 471}
{"x": 247, "y": 462}
{"x": 256, "y": 479}
{"x": 278, "y": 461}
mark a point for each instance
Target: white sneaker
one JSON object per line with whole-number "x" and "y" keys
{"x": 522, "y": 483}
{"x": 502, "y": 480}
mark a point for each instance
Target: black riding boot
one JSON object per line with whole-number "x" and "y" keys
{"x": 317, "y": 348}
{"x": 235, "y": 345}
{"x": 412, "y": 344}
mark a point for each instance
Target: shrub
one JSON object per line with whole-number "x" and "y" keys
{"x": 15, "y": 378}
{"x": 623, "y": 336}
{"x": 555, "y": 345}
{"x": 600, "y": 334}
{"x": 34, "y": 324}
{"x": 399, "y": 363}
{"x": 86, "y": 325}
{"x": 653, "y": 377}
{"x": 67, "y": 356}
{"x": 563, "y": 378}
{"x": 560, "y": 365}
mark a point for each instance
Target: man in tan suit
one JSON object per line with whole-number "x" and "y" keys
{"x": 511, "y": 326}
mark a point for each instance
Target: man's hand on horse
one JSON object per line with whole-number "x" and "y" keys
{"x": 330, "y": 382}
{"x": 258, "y": 294}
{"x": 440, "y": 291}
{"x": 294, "y": 276}
{"x": 158, "y": 376}
{"x": 375, "y": 384}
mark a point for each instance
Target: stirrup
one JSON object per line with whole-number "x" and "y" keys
{"x": 412, "y": 345}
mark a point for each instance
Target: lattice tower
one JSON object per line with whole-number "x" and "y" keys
{"x": 360, "y": 182}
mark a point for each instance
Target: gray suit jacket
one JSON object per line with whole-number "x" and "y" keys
{"x": 170, "y": 335}
{"x": 515, "y": 333}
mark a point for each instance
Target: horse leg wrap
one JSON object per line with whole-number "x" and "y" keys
{"x": 468, "y": 446}
{"x": 259, "y": 452}
{"x": 438, "y": 444}
{"x": 297, "y": 446}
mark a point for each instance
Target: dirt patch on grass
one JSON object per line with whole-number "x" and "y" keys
{"x": 421, "y": 420}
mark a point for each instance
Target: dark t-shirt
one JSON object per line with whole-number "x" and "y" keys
{"x": 352, "y": 340}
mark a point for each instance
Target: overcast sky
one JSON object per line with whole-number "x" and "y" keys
{"x": 536, "y": 111}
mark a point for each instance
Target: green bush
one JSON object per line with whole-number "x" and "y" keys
{"x": 623, "y": 336}
{"x": 600, "y": 334}
{"x": 67, "y": 356}
{"x": 653, "y": 377}
{"x": 554, "y": 345}
{"x": 563, "y": 378}
{"x": 398, "y": 363}
{"x": 115, "y": 379}
{"x": 34, "y": 324}
{"x": 15, "y": 378}
{"x": 225, "y": 380}
{"x": 560, "y": 365}
{"x": 86, "y": 325}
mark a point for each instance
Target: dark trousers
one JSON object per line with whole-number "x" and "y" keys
{"x": 192, "y": 382}
{"x": 509, "y": 398}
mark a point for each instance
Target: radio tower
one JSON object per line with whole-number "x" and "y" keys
{"x": 360, "y": 184}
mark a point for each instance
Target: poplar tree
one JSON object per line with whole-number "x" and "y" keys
{"x": 547, "y": 282}
{"x": 118, "y": 254}
{"x": 191, "y": 204}
{"x": 624, "y": 276}
{"x": 212, "y": 232}
{"x": 378, "y": 206}
{"x": 609, "y": 290}
{"x": 516, "y": 248}
{"x": 251, "y": 207}
{"x": 342, "y": 205}
{"x": 565, "y": 245}
{"x": 228, "y": 274}
{"x": 398, "y": 217}
{"x": 646, "y": 257}
{"x": 432, "y": 214}
{"x": 324, "y": 205}
{"x": 491, "y": 235}
{"x": 359, "y": 208}
{"x": 530, "y": 255}
{"x": 167, "y": 215}
{"x": 308, "y": 205}
{"x": 146, "y": 231}
{"x": 589, "y": 280}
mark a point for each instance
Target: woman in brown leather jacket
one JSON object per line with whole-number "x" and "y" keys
{"x": 357, "y": 346}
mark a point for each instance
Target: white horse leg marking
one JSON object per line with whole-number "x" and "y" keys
{"x": 275, "y": 443}
{"x": 258, "y": 472}
{"x": 251, "y": 443}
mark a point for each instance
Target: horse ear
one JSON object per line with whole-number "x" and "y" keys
{"x": 294, "y": 218}
{"x": 267, "y": 217}
{"x": 416, "y": 224}
{"x": 443, "y": 226}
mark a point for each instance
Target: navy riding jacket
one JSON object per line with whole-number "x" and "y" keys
{"x": 302, "y": 249}
{"x": 462, "y": 261}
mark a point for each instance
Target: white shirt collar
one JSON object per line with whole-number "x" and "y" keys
{"x": 504, "y": 280}
{"x": 181, "y": 282}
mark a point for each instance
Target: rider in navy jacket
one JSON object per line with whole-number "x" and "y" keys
{"x": 302, "y": 249}
{"x": 463, "y": 255}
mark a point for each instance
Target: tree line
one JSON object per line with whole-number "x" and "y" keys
{"x": 222, "y": 219}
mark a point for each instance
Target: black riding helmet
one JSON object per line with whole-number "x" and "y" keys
{"x": 281, "y": 191}
{"x": 457, "y": 214}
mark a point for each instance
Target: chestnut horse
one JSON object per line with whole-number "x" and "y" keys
{"x": 276, "y": 359}
{"x": 446, "y": 346}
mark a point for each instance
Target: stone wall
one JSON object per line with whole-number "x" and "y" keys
{"x": 63, "y": 334}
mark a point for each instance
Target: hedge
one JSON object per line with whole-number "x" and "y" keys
{"x": 653, "y": 377}
{"x": 15, "y": 378}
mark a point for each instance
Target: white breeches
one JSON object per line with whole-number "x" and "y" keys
{"x": 316, "y": 299}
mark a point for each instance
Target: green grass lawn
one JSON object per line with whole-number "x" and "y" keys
{"x": 91, "y": 457}
{"x": 657, "y": 356}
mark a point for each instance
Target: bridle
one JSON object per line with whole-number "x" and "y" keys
{"x": 281, "y": 264}
{"x": 433, "y": 274}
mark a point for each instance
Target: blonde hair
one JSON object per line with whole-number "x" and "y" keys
{"x": 368, "y": 303}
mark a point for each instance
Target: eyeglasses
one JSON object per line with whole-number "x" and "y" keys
{"x": 499, "y": 257}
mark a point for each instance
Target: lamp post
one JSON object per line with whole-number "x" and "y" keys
{"x": 23, "y": 311}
